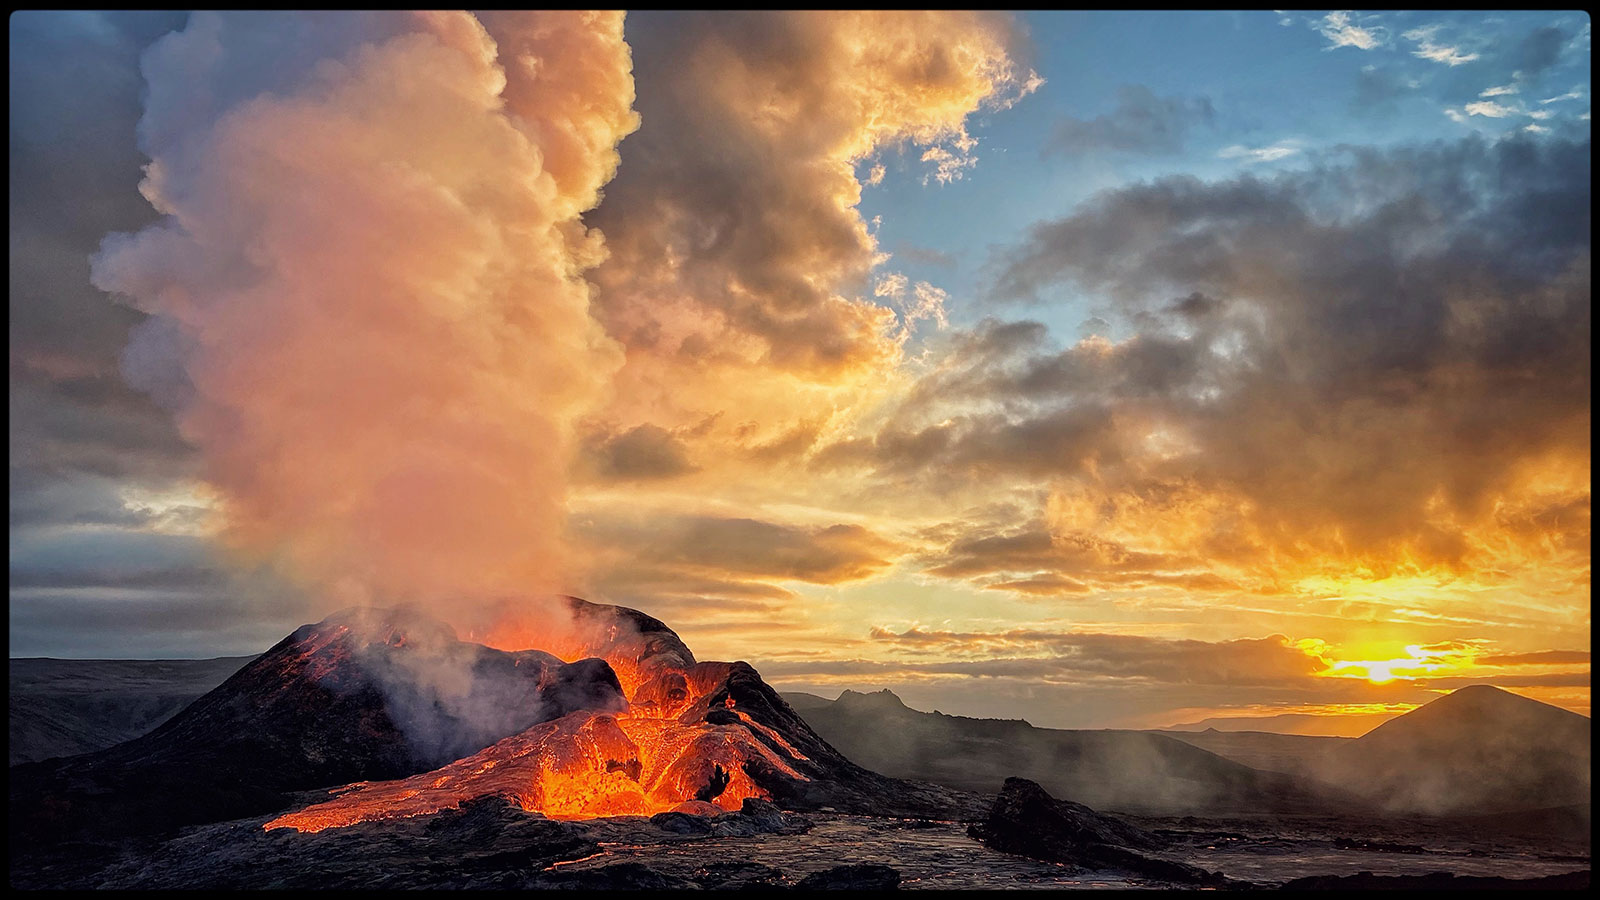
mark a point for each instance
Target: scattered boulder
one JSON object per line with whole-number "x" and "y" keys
{"x": 1025, "y": 820}
{"x": 681, "y": 823}
{"x": 764, "y": 818}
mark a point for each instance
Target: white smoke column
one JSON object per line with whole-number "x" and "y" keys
{"x": 368, "y": 302}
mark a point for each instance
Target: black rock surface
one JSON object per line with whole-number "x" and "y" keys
{"x": 1027, "y": 821}
{"x": 863, "y": 877}
{"x": 1439, "y": 881}
{"x": 364, "y": 694}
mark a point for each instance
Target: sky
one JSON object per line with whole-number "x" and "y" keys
{"x": 1098, "y": 369}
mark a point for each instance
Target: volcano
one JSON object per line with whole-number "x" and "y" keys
{"x": 399, "y": 717}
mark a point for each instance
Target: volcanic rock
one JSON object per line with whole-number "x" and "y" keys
{"x": 1027, "y": 821}
{"x": 864, "y": 877}
{"x": 485, "y": 845}
{"x": 364, "y": 694}
{"x": 1439, "y": 881}
{"x": 620, "y": 877}
{"x": 737, "y": 876}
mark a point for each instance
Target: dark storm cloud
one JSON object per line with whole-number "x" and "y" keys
{"x": 108, "y": 557}
{"x": 84, "y": 580}
{"x": 1539, "y": 50}
{"x": 1036, "y": 560}
{"x": 168, "y": 622}
{"x": 1384, "y": 330}
{"x": 1061, "y": 442}
{"x": 1140, "y": 123}
{"x": 74, "y": 172}
{"x": 750, "y": 239}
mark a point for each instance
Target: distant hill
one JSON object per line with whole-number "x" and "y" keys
{"x": 1292, "y": 754}
{"x": 63, "y": 707}
{"x": 1127, "y": 771}
{"x": 1477, "y": 750}
{"x": 1289, "y": 723}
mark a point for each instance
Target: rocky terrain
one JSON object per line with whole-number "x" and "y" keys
{"x": 379, "y": 749}
{"x": 369, "y": 697}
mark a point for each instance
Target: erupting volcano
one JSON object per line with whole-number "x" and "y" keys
{"x": 683, "y": 741}
{"x": 400, "y": 718}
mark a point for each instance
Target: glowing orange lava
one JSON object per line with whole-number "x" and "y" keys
{"x": 682, "y": 744}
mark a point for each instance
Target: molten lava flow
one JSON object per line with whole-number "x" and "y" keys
{"x": 681, "y": 744}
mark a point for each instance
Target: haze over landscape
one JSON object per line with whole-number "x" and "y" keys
{"x": 1101, "y": 370}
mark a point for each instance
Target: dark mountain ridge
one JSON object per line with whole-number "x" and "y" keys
{"x": 1128, "y": 771}
{"x": 1477, "y": 750}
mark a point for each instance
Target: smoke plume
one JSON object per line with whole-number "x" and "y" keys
{"x": 366, "y": 294}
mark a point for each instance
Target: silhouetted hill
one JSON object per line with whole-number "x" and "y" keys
{"x": 364, "y": 694}
{"x": 1477, "y": 750}
{"x": 1291, "y": 754}
{"x": 1308, "y": 724}
{"x": 64, "y": 707}
{"x": 1128, "y": 771}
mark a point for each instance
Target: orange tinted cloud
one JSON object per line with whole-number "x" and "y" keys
{"x": 367, "y": 302}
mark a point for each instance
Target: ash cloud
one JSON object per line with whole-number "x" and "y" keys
{"x": 366, "y": 295}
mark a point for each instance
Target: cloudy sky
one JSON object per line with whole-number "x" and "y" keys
{"x": 1106, "y": 370}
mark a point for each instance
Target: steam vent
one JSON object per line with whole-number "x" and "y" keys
{"x": 396, "y": 716}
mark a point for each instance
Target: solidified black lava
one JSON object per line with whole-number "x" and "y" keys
{"x": 1027, "y": 821}
{"x": 864, "y": 877}
{"x": 352, "y": 698}
{"x": 1438, "y": 881}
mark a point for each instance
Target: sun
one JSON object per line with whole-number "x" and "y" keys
{"x": 1380, "y": 672}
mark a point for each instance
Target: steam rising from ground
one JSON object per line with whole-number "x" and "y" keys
{"x": 367, "y": 299}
